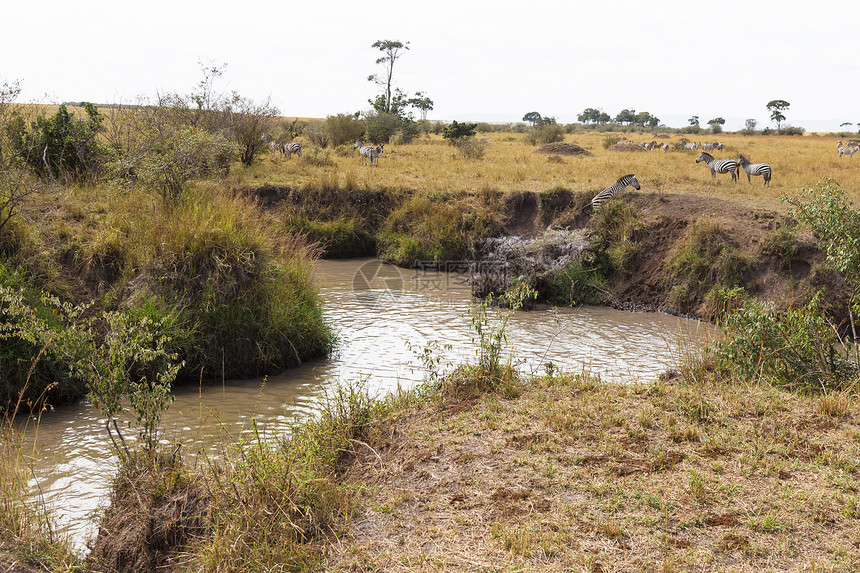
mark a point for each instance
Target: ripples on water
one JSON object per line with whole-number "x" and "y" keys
{"x": 382, "y": 315}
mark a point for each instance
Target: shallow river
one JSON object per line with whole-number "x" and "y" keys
{"x": 383, "y": 316}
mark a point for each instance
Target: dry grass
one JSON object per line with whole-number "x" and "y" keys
{"x": 430, "y": 165}
{"x": 578, "y": 476}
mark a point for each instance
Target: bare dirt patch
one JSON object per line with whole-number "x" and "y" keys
{"x": 626, "y": 147}
{"x": 563, "y": 149}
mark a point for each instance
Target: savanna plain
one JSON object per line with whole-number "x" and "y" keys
{"x": 743, "y": 457}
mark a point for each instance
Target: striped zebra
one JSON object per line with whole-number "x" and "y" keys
{"x": 375, "y": 153}
{"x": 719, "y": 165}
{"x": 616, "y": 188}
{"x": 690, "y": 146}
{"x": 849, "y": 151}
{"x": 762, "y": 169}
{"x": 368, "y": 152}
{"x": 273, "y": 145}
{"x": 288, "y": 149}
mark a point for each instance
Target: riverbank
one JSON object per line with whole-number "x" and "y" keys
{"x": 702, "y": 475}
{"x": 556, "y": 472}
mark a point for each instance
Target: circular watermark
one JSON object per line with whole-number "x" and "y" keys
{"x": 376, "y": 283}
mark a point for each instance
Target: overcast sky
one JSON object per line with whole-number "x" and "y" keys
{"x": 478, "y": 61}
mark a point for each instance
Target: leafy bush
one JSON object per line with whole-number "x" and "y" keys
{"x": 546, "y": 133}
{"x": 574, "y": 285}
{"x": 379, "y": 127}
{"x": 471, "y": 147}
{"x": 343, "y": 128}
{"x": 780, "y": 243}
{"x": 796, "y": 349}
{"x": 63, "y": 146}
{"x": 457, "y": 131}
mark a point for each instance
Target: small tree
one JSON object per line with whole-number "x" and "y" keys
{"x": 343, "y": 128}
{"x": 65, "y": 146}
{"x": 776, "y": 107}
{"x": 250, "y": 121}
{"x": 422, "y": 103}
{"x": 831, "y": 214}
{"x": 694, "y": 121}
{"x": 532, "y": 117}
{"x": 589, "y": 115}
{"x": 392, "y": 50}
{"x": 457, "y": 131}
{"x": 717, "y": 124}
{"x": 750, "y": 124}
{"x": 626, "y": 116}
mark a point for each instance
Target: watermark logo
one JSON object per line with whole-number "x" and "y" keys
{"x": 376, "y": 283}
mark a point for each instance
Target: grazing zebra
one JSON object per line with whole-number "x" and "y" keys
{"x": 292, "y": 147}
{"x": 719, "y": 165}
{"x": 665, "y": 148}
{"x": 691, "y": 146}
{"x": 616, "y": 188}
{"x": 762, "y": 169}
{"x": 708, "y": 147}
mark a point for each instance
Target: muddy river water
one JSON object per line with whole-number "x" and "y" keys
{"x": 384, "y": 316}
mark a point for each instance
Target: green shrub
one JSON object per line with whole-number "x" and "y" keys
{"x": 471, "y": 147}
{"x": 796, "y": 348}
{"x": 456, "y": 131}
{"x": 344, "y": 236}
{"x": 545, "y": 133}
{"x": 574, "y": 285}
{"x": 31, "y": 364}
{"x": 781, "y": 244}
{"x": 424, "y": 229}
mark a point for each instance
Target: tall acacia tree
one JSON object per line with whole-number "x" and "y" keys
{"x": 776, "y": 107}
{"x": 392, "y": 50}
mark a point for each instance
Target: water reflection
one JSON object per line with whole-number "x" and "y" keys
{"x": 382, "y": 315}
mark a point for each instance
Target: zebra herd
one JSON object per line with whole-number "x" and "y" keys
{"x": 730, "y": 166}
{"x": 365, "y": 152}
{"x": 285, "y": 149}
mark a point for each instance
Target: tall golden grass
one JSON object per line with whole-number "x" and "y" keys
{"x": 431, "y": 165}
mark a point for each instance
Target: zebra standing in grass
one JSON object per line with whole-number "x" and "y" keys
{"x": 762, "y": 169}
{"x": 273, "y": 145}
{"x": 292, "y": 147}
{"x": 849, "y": 151}
{"x": 616, "y": 188}
{"x": 363, "y": 150}
{"x": 368, "y": 152}
{"x": 374, "y": 154}
{"x": 719, "y": 165}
